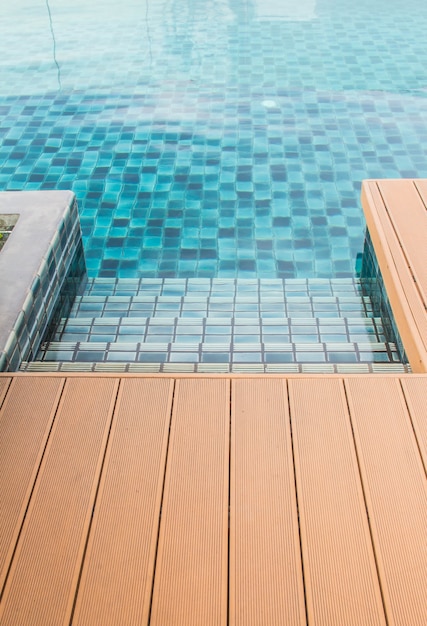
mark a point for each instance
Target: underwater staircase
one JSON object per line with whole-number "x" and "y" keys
{"x": 219, "y": 325}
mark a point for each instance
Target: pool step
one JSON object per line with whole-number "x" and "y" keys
{"x": 220, "y": 306}
{"x": 224, "y": 325}
{"x": 272, "y": 350}
{"x": 188, "y": 298}
{"x": 197, "y": 339}
{"x": 221, "y": 286}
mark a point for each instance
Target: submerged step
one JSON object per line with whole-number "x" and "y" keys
{"x": 221, "y": 286}
{"x": 170, "y": 324}
{"x": 184, "y": 306}
{"x": 198, "y": 328}
{"x": 175, "y": 292}
{"x": 221, "y": 349}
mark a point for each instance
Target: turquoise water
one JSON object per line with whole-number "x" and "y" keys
{"x": 214, "y": 139}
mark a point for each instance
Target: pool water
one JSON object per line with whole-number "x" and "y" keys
{"x": 216, "y": 150}
{"x": 214, "y": 139}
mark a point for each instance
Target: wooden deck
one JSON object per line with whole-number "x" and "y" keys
{"x": 396, "y": 215}
{"x": 228, "y": 500}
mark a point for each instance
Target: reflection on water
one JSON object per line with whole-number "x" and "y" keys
{"x": 315, "y": 44}
{"x": 54, "y": 43}
{"x": 286, "y": 9}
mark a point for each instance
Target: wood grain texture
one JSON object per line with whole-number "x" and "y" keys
{"x": 265, "y": 562}
{"x": 42, "y": 582}
{"x": 190, "y": 584}
{"x": 396, "y": 494}
{"x": 119, "y": 566}
{"x": 341, "y": 579}
{"x": 120, "y": 488}
{"x": 25, "y": 422}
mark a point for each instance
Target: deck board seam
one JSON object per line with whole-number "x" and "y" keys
{"x": 4, "y": 392}
{"x": 95, "y": 500}
{"x": 363, "y": 481}
{"x": 156, "y": 551}
{"x": 420, "y": 194}
{"x": 401, "y": 246}
{"x": 413, "y": 426}
{"x": 297, "y": 501}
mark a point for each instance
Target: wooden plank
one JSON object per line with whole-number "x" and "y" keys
{"x": 408, "y": 215}
{"x": 415, "y": 390}
{"x": 117, "y": 578}
{"x": 41, "y": 585}
{"x": 340, "y": 573}
{"x": 408, "y": 308}
{"x": 25, "y": 421}
{"x": 396, "y": 494}
{"x": 266, "y": 584}
{"x": 403, "y": 264}
{"x": 191, "y": 573}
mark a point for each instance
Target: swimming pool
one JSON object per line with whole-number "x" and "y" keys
{"x": 213, "y": 139}
{"x": 216, "y": 150}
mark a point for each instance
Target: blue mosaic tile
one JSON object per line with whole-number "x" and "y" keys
{"x": 237, "y": 157}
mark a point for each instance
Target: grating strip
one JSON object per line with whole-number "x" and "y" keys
{"x": 178, "y": 367}
{"x": 77, "y": 367}
{"x": 247, "y": 367}
{"x": 144, "y": 367}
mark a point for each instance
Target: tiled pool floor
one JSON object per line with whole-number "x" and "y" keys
{"x": 209, "y": 139}
{"x": 220, "y": 325}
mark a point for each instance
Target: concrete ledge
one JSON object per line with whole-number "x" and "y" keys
{"x": 33, "y": 267}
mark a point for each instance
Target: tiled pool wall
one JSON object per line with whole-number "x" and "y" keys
{"x": 373, "y": 286}
{"x": 73, "y": 284}
{"x": 60, "y": 274}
